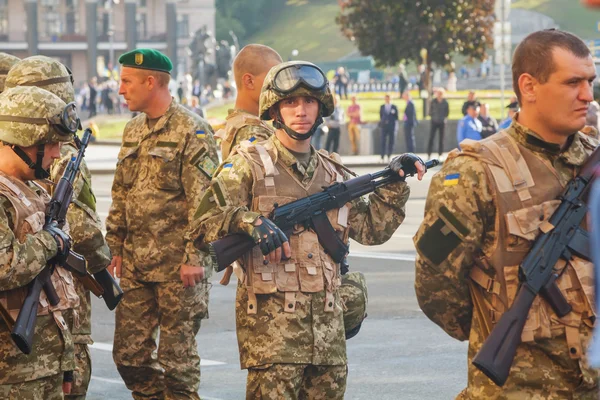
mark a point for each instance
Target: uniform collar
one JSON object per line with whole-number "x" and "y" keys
{"x": 285, "y": 156}
{"x": 162, "y": 121}
{"x": 574, "y": 154}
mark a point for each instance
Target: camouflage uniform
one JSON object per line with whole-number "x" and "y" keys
{"x": 162, "y": 173}
{"x": 307, "y": 339}
{"x": 482, "y": 213}
{"x": 240, "y": 126}
{"x": 25, "y": 250}
{"x": 84, "y": 223}
{"x": 6, "y": 63}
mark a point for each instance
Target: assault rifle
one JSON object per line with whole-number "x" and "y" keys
{"x": 561, "y": 237}
{"x": 104, "y": 285}
{"x": 311, "y": 213}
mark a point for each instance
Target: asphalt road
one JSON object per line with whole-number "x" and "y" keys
{"x": 399, "y": 353}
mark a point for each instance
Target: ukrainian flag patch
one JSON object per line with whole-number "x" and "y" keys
{"x": 252, "y": 139}
{"x": 227, "y": 166}
{"x": 451, "y": 179}
{"x": 200, "y": 134}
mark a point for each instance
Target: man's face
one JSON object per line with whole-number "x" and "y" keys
{"x": 134, "y": 88}
{"x": 387, "y": 99}
{"x": 473, "y": 111}
{"x": 561, "y": 103}
{"x": 485, "y": 110}
{"x": 353, "y": 99}
{"x": 439, "y": 95}
{"x": 471, "y": 96}
{"x": 299, "y": 113}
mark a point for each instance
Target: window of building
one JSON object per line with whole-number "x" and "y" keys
{"x": 71, "y": 20}
{"x": 183, "y": 25}
{"x": 3, "y": 17}
{"x": 142, "y": 26}
{"x": 143, "y": 3}
{"x": 51, "y": 19}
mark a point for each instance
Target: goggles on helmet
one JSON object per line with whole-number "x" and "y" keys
{"x": 67, "y": 122}
{"x": 288, "y": 79}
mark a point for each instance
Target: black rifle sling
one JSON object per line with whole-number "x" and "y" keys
{"x": 328, "y": 237}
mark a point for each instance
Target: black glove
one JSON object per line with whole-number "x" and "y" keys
{"x": 268, "y": 236}
{"x": 406, "y": 162}
{"x": 58, "y": 235}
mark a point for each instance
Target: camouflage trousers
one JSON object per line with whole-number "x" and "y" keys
{"x": 48, "y": 388}
{"x": 146, "y": 307}
{"x": 296, "y": 382}
{"x": 82, "y": 373}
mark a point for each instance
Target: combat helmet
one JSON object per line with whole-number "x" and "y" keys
{"x": 290, "y": 79}
{"x": 31, "y": 116}
{"x": 353, "y": 293}
{"x": 44, "y": 72}
{"x": 6, "y": 63}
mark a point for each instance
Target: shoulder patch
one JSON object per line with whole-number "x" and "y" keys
{"x": 203, "y": 162}
{"x": 201, "y": 134}
{"x": 451, "y": 179}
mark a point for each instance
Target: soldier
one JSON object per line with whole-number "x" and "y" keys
{"x": 165, "y": 164}
{"x": 33, "y": 123}
{"x": 84, "y": 223}
{"x": 249, "y": 68}
{"x": 6, "y": 63}
{"x": 484, "y": 209}
{"x": 290, "y": 327}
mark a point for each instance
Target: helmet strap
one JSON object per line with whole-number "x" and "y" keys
{"x": 278, "y": 124}
{"x": 40, "y": 173}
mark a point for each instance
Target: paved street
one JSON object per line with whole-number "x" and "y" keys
{"x": 399, "y": 353}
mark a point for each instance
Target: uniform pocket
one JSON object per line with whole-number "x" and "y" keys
{"x": 126, "y": 163}
{"x": 286, "y": 277}
{"x": 166, "y": 167}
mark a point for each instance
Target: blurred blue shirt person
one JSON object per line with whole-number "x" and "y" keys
{"x": 513, "y": 108}
{"x": 469, "y": 127}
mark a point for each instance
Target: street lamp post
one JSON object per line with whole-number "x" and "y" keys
{"x": 108, "y": 5}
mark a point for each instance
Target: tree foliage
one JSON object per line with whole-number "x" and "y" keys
{"x": 244, "y": 17}
{"x": 397, "y": 30}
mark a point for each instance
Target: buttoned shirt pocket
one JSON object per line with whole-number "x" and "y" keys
{"x": 127, "y": 169}
{"x": 166, "y": 166}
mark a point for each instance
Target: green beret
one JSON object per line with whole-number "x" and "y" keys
{"x": 146, "y": 59}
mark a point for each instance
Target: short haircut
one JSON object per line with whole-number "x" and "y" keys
{"x": 534, "y": 55}
{"x": 253, "y": 59}
{"x": 162, "y": 78}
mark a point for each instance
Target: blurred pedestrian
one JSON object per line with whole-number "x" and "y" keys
{"x": 195, "y": 106}
{"x": 513, "y": 109}
{"x": 92, "y": 98}
{"x": 469, "y": 127}
{"x": 388, "y": 121}
{"x": 489, "y": 125}
{"x": 410, "y": 121}
{"x": 341, "y": 82}
{"x": 438, "y": 112}
{"x": 471, "y": 98}
{"x": 334, "y": 122}
{"x": 354, "y": 113}
{"x": 402, "y": 79}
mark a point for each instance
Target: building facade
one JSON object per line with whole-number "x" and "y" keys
{"x": 87, "y": 35}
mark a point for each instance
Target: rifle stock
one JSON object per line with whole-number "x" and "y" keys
{"x": 111, "y": 291}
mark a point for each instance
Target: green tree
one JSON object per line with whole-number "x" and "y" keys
{"x": 423, "y": 31}
{"x": 244, "y": 17}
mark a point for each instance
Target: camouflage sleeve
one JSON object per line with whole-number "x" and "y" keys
{"x": 224, "y": 209}
{"x": 459, "y": 205}
{"x": 375, "y": 220}
{"x": 248, "y": 132}
{"x": 84, "y": 222}
{"x": 116, "y": 222}
{"x": 20, "y": 262}
{"x": 200, "y": 160}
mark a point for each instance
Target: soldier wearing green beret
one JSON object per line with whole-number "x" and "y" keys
{"x": 165, "y": 164}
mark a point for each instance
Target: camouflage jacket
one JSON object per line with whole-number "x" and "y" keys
{"x": 240, "y": 126}
{"x": 226, "y": 209}
{"x": 161, "y": 175}
{"x": 20, "y": 263}
{"x": 86, "y": 231}
{"x": 463, "y": 188}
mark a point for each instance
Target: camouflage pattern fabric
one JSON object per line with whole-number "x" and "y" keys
{"x": 39, "y": 71}
{"x": 48, "y": 388}
{"x": 269, "y": 97}
{"x": 309, "y": 335}
{"x": 82, "y": 373}
{"x": 542, "y": 369}
{"x": 167, "y": 169}
{"x": 178, "y": 311}
{"x": 296, "y": 381}
{"x": 251, "y": 127}
{"x": 6, "y": 63}
{"x": 30, "y": 102}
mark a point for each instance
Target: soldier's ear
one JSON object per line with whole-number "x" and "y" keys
{"x": 528, "y": 87}
{"x": 248, "y": 81}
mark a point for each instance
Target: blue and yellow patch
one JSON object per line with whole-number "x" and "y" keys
{"x": 200, "y": 134}
{"x": 227, "y": 166}
{"x": 451, "y": 179}
{"x": 252, "y": 139}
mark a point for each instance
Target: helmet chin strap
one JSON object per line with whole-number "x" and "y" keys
{"x": 278, "y": 124}
{"x": 40, "y": 173}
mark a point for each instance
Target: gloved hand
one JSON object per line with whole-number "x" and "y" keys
{"x": 268, "y": 236}
{"x": 63, "y": 241}
{"x": 407, "y": 163}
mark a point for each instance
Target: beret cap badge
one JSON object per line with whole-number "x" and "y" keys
{"x": 139, "y": 58}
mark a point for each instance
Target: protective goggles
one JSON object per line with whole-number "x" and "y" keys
{"x": 67, "y": 122}
{"x": 288, "y": 79}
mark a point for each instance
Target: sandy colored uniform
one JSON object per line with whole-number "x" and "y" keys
{"x": 289, "y": 316}
{"x": 162, "y": 173}
{"x": 483, "y": 211}
{"x": 86, "y": 231}
{"x": 241, "y": 126}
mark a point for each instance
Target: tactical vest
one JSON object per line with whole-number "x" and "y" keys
{"x": 310, "y": 269}
{"x": 525, "y": 190}
{"x": 235, "y": 121}
{"x": 29, "y": 210}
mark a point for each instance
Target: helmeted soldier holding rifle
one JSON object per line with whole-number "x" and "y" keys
{"x": 288, "y": 312}
{"x": 503, "y": 257}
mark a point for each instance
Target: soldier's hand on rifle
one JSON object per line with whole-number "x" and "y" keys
{"x": 408, "y": 164}
{"x": 63, "y": 241}
{"x": 115, "y": 266}
{"x": 272, "y": 241}
{"x": 190, "y": 275}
